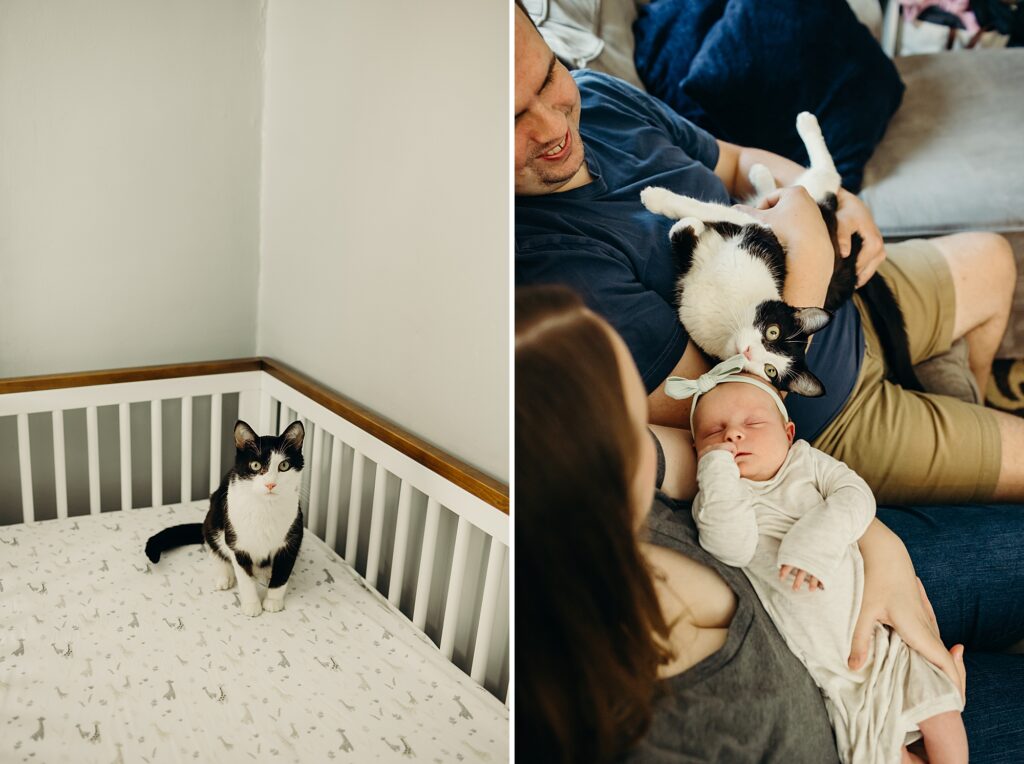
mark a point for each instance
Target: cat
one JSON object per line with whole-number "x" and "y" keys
{"x": 253, "y": 528}
{"x": 732, "y": 268}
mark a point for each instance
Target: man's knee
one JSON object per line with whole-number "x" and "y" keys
{"x": 999, "y": 257}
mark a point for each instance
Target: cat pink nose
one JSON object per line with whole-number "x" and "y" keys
{"x": 746, "y": 352}
{"x": 270, "y": 486}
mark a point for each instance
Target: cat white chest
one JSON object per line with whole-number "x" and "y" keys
{"x": 721, "y": 291}
{"x": 260, "y": 523}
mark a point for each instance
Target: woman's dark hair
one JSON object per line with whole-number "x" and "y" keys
{"x": 589, "y": 632}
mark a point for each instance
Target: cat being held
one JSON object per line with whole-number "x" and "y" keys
{"x": 732, "y": 268}
{"x": 253, "y": 528}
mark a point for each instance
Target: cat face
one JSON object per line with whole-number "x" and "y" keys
{"x": 269, "y": 466}
{"x": 776, "y": 346}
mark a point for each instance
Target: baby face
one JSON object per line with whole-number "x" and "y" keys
{"x": 747, "y": 417}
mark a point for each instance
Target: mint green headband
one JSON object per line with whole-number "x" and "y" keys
{"x": 727, "y": 371}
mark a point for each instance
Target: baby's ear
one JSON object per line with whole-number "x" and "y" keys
{"x": 293, "y": 435}
{"x": 245, "y": 436}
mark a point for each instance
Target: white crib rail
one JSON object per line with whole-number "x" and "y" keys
{"x": 451, "y": 594}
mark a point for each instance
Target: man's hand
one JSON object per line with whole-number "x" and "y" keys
{"x": 795, "y": 219}
{"x": 730, "y": 447}
{"x": 813, "y": 584}
{"x": 853, "y": 215}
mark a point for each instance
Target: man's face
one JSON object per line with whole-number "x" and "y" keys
{"x": 549, "y": 152}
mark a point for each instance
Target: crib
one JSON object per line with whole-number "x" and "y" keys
{"x": 405, "y": 545}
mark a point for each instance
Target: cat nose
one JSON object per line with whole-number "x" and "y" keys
{"x": 270, "y": 486}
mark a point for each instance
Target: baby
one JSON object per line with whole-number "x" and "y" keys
{"x": 779, "y": 508}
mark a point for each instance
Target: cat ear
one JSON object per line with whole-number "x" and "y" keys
{"x": 811, "y": 320}
{"x": 245, "y": 436}
{"x": 806, "y": 384}
{"x": 293, "y": 435}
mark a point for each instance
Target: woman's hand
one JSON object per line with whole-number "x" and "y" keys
{"x": 854, "y": 216}
{"x": 894, "y": 596}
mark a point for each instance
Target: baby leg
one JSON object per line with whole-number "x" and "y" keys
{"x": 945, "y": 738}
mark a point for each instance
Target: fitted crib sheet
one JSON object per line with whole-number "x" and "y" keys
{"x": 105, "y": 657}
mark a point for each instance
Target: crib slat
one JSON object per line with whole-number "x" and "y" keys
{"x": 266, "y": 406}
{"x": 125, "y": 432}
{"x": 355, "y": 500}
{"x": 401, "y": 544}
{"x": 488, "y": 607}
{"x": 376, "y": 525}
{"x": 59, "y": 467}
{"x": 28, "y": 509}
{"x": 455, "y": 582}
{"x": 314, "y": 481}
{"x": 156, "y": 450}
{"x": 186, "y": 449}
{"x": 93, "y": 441}
{"x": 282, "y": 419}
{"x": 426, "y": 572}
{"x": 334, "y": 492}
{"x": 216, "y": 404}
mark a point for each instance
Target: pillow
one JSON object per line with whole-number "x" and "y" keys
{"x": 743, "y": 70}
{"x": 589, "y": 34}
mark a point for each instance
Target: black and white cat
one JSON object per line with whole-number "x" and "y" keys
{"x": 732, "y": 268}
{"x": 253, "y": 528}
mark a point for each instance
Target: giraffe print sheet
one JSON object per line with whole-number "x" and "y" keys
{"x": 105, "y": 657}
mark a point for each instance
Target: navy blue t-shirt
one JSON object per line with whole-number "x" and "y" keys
{"x": 601, "y": 241}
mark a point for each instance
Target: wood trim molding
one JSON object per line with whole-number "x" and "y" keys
{"x": 133, "y": 374}
{"x": 494, "y": 492}
{"x": 490, "y": 490}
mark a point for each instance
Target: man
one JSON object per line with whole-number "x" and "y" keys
{"x": 585, "y": 146}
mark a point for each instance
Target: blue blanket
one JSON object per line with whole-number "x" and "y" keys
{"x": 743, "y": 70}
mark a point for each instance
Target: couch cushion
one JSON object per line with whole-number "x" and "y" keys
{"x": 951, "y": 159}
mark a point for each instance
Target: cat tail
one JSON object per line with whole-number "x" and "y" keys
{"x": 172, "y": 538}
{"x": 887, "y": 319}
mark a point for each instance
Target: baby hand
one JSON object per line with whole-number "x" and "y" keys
{"x": 813, "y": 584}
{"x": 726, "y": 446}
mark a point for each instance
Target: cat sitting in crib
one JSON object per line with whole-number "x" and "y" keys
{"x": 253, "y": 528}
{"x": 732, "y": 268}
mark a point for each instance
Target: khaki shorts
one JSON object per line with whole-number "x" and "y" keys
{"x": 915, "y": 448}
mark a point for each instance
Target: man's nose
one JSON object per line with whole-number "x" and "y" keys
{"x": 549, "y": 124}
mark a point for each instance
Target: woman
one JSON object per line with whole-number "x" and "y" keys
{"x": 632, "y": 642}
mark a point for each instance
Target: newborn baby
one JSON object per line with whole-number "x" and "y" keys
{"x": 783, "y": 510}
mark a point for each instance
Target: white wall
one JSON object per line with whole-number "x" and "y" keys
{"x": 129, "y": 182}
{"x": 384, "y": 270}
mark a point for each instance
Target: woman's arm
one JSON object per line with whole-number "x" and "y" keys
{"x": 893, "y": 595}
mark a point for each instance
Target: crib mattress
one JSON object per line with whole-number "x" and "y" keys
{"x": 105, "y": 657}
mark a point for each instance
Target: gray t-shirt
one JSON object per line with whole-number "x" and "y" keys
{"x": 752, "y": 701}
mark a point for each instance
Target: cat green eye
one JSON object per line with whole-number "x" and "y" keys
{"x": 772, "y": 333}
{"x": 255, "y": 466}
{"x": 771, "y": 371}
{"x": 284, "y": 467}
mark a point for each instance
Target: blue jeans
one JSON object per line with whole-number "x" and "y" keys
{"x": 971, "y": 562}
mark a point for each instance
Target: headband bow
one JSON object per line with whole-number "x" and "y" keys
{"x": 727, "y": 371}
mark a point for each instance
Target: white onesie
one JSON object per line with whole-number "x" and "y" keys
{"x": 811, "y": 515}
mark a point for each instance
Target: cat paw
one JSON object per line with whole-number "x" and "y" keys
{"x": 807, "y": 124}
{"x": 660, "y": 201}
{"x": 251, "y": 609}
{"x": 762, "y": 180}
{"x": 687, "y": 224}
{"x": 273, "y": 605}
{"x": 224, "y": 582}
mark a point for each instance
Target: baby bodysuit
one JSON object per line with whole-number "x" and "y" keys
{"x": 810, "y": 515}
